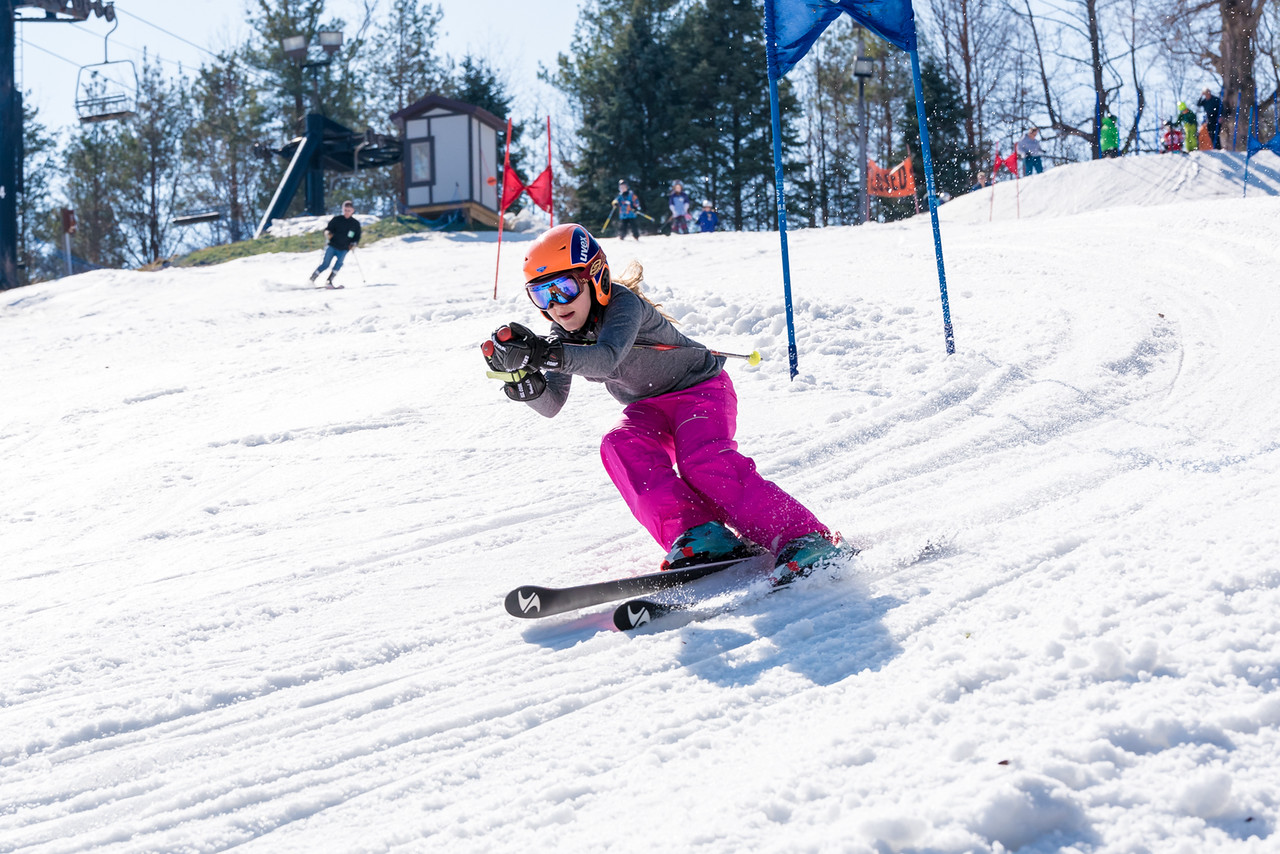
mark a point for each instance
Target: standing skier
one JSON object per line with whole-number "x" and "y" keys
{"x": 1030, "y": 150}
{"x": 708, "y": 219}
{"x": 344, "y": 233}
{"x": 672, "y": 456}
{"x": 1212, "y": 106}
{"x": 678, "y": 202}
{"x": 628, "y": 205}
{"x": 1109, "y": 137}
{"x": 1191, "y": 134}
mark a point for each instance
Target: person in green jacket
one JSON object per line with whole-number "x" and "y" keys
{"x": 1190, "y": 127}
{"x": 1109, "y": 138}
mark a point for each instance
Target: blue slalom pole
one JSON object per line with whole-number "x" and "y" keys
{"x": 1253, "y": 117}
{"x": 770, "y": 40}
{"x": 933, "y": 200}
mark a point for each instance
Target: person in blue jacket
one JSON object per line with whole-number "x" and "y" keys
{"x": 628, "y": 205}
{"x": 707, "y": 219}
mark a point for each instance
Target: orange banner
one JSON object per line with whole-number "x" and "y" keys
{"x": 896, "y": 183}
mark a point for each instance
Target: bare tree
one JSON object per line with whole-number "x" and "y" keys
{"x": 1219, "y": 36}
{"x": 977, "y": 52}
{"x": 1073, "y": 32}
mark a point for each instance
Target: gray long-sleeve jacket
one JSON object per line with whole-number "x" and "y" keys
{"x": 629, "y": 373}
{"x": 1029, "y": 146}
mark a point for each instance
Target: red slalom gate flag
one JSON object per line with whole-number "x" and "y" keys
{"x": 1010, "y": 163}
{"x": 512, "y": 186}
{"x": 539, "y": 190}
{"x": 895, "y": 183}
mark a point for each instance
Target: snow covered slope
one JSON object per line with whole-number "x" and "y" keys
{"x": 1109, "y": 184}
{"x": 254, "y": 540}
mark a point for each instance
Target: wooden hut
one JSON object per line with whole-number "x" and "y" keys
{"x": 451, "y": 159}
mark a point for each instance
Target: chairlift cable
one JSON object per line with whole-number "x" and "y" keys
{"x": 51, "y": 53}
{"x": 248, "y": 69}
{"x": 244, "y": 68}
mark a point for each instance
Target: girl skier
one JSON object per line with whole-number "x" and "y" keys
{"x": 672, "y": 456}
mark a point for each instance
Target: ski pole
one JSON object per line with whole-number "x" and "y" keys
{"x": 359, "y": 267}
{"x": 752, "y": 358}
{"x": 504, "y": 334}
{"x": 607, "y": 221}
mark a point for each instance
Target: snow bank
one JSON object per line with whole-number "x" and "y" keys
{"x": 1142, "y": 181}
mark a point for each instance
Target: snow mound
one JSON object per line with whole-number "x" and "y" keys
{"x": 306, "y": 224}
{"x": 1142, "y": 181}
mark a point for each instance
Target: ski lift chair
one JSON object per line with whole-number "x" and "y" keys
{"x": 107, "y": 91}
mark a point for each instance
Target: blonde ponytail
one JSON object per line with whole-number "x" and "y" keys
{"x": 632, "y": 278}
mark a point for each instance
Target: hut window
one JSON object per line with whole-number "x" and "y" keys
{"x": 420, "y": 162}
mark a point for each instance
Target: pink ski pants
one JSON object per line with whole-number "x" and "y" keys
{"x": 675, "y": 462}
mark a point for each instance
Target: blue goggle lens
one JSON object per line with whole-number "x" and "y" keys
{"x": 561, "y": 290}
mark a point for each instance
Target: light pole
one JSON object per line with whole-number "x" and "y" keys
{"x": 297, "y": 48}
{"x": 863, "y": 68}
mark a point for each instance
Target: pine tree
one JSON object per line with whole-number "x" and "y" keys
{"x": 223, "y": 173}
{"x": 39, "y": 229}
{"x": 93, "y": 191}
{"x": 619, "y": 83}
{"x": 477, "y": 84}
{"x": 945, "y": 113}
{"x": 150, "y": 165}
{"x": 405, "y": 67}
{"x": 728, "y": 109}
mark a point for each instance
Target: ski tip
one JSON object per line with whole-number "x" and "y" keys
{"x": 636, "y": 613}
{"x": 524, "y": 602}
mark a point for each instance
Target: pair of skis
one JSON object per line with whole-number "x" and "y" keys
{"x": 647, "y": 597}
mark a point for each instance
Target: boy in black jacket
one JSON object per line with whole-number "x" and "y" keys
{"x": 343, "y": 233}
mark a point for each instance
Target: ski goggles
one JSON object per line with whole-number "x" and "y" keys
{"x": 561, "y": 290}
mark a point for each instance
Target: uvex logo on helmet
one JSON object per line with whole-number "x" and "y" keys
{"x": 581, "y": 247}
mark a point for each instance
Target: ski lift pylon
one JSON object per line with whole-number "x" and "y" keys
{"x": 107, "y": 91}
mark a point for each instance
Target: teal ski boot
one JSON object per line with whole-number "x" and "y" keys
{"x": 803, "y": 555}
{"x": 709, "y": 542}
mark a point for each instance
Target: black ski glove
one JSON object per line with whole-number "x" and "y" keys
{"x": 516, "y": 347}
{"x": 528, "y": 387}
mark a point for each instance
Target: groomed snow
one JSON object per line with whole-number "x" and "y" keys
{"x": 255, "y": 538}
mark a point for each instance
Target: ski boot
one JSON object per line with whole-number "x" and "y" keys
{"x": 707, "y": 543}
{"x": 314, "y": 276}
{"x": 329, "y": 283}
{"x": 803, "y": 555}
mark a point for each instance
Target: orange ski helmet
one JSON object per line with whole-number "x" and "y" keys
{"x": 569, "y": 248}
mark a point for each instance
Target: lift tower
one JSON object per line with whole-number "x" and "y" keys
{"x": 11, "y": 112}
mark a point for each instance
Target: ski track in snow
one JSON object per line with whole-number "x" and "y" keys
{"x": 256, "y": 538}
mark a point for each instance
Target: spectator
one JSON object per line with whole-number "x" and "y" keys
{"x": 1109, "y": 137}
{"x": 707, "y": 220}
{"x": 343, "y": 233}
{"x": 1212, "y": 106}
{"x": 1171, "y": 139}
{"x": 1030, "y": 151}
{"x": 678, "y": 203}
{"x": 980, "y": 182}
{"x": 1187, "y": 119}
{"x": 628, "y": 205}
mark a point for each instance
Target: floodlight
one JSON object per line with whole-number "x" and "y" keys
{"x": 331, "y": 41}
{"x": 295, "y": 47}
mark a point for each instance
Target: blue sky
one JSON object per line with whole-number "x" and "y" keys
{"x": 514, "y": 35}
